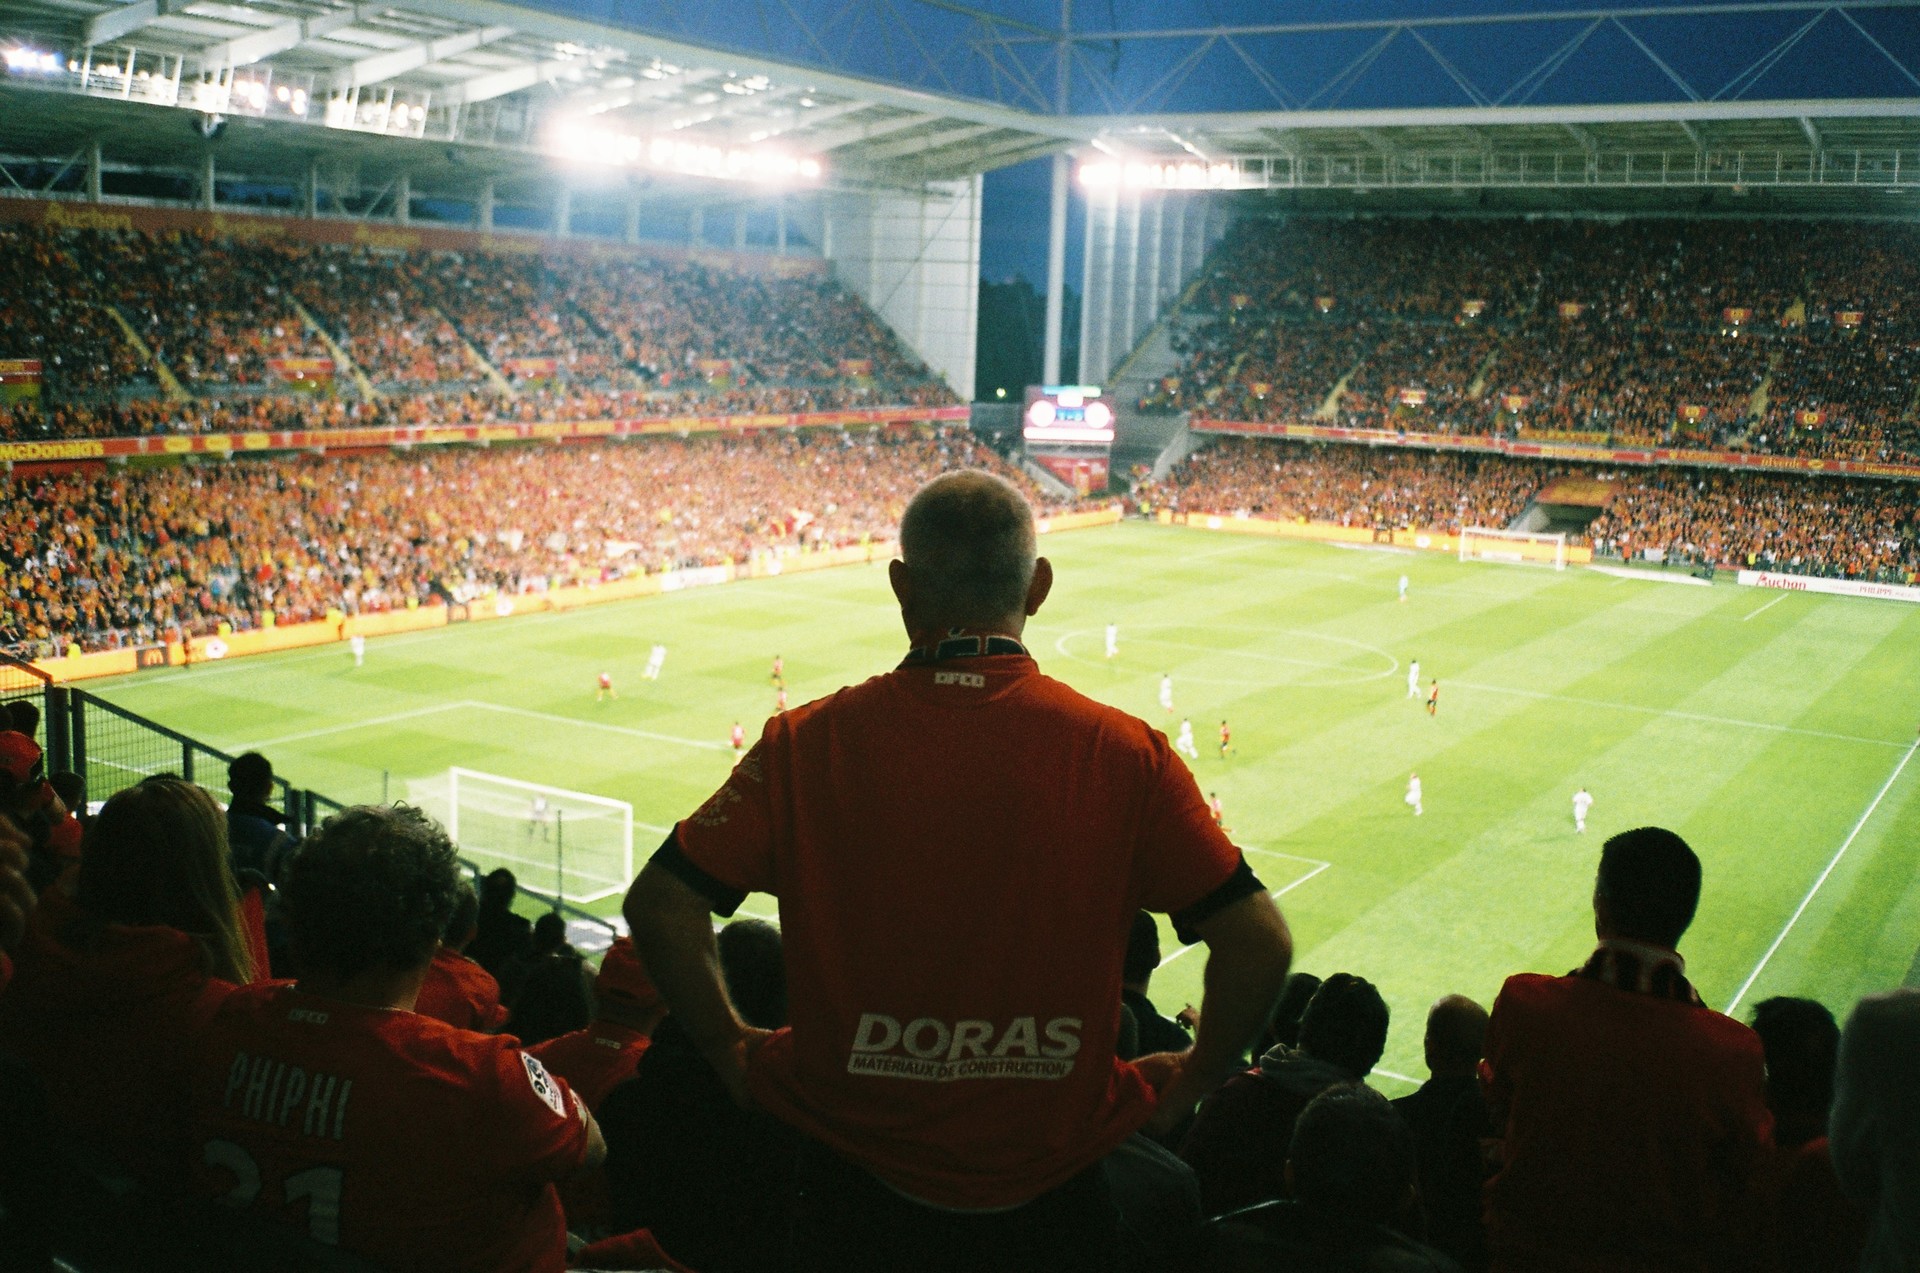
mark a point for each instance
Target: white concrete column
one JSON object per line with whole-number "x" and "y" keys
{"x": 1086, "y": 292}
{"x": 93, "y": 170}
{"x": 1129, "y": 298}
{"x": 403, "y": 198}
{"x": 1056, "y": 270}
{"x": 1109, "y": 248}
{"x": 1156, "y": 248}
{"x": 483, "y": 207}
{"x": 206, "y": 179}
{"x": 312, "y": 191}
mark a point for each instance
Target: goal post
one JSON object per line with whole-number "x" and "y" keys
{"x": 581, "y": 841}
{"x": 1481, "y": 543}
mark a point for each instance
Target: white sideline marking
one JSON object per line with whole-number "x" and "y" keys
{"x": 702, "y": 743}
{"x": 1319, "y": 866}
{"x": 1770, "y": 605}
{"x": 1662, "y": 711}
{"x": 1808, "y": 899}
{"x": 390, "y": 719}
{"x": 1649, "y": 576}
{"x": 1389, "y": 1074}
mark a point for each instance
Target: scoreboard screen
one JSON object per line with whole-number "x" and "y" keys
{"x": 1067, "y": 413}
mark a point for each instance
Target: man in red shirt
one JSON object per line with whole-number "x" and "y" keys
{"x": 1632, "y": 1118}
{"x": 457, "y": 990}
{"x": 329, "y": 1105}
{"x": 959, "y": 847}
{"x": 599, "y": 1058}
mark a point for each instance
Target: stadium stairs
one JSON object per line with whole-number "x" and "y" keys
{"x": 1156, "y": 440}
{"x": 169, "y": 382}
{"x": 336, "y": 351}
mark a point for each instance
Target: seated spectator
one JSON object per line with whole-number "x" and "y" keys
{"x": 603, "y": 1055}
{"x": 1876, "y": 1125}
{"x": 1350, "y": 1174}
{"x": 1448, "y": 1119}
{"x": 709, "y": 1177}
{"x": 1236, "y": 1145}
{"x": 1817, "y": 1229}
{"x": 256, "y": 831}
{"x": 23, "y": 715}
{"x": 330, "y": 1105}
{"x": 457, "y": 990}
{"x": 1284, "y": 1029}
{"x": 550, "y": 990}
{"x": 119, "y": 976}
{"x": 501, "y": 934}
{"x": 1155, "y": 1032}
{"x": 16, "y": 898}
{"x": 1631, "y": 1118}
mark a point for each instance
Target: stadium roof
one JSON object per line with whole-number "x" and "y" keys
{"x": 1812, "y": 102}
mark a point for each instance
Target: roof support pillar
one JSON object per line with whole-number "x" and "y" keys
{"x": 1129, "y": 301}
{"x": 1056, "y": 271}
{"x": 1180, "y": 242}
{"x": 1156, "y": 249}
{"x": 93, "y": 170}
{"x": 403, "y": 198}
{"x": 206, "y": 178}
{"x": 483, "y": 208}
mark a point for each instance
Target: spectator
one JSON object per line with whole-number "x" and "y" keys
{"x": 1235, "y": 1144}
{"x": 1003, "y": 1170}
{"x": 122, "y": 970}
{"x": 1284, "y": 1029}
{"x": 1876, "y": 1125}
{"x": 1448, "y": 1119}
{"x": 501, "y": 934}
{"x": 711, "y": 1179}
{"x": 457, "y": 990}
{"x": 17, "y": 900}
{"x": 1352, "y": 1182}
{"x": 1156, "y": 1033}
{"x": 550, "y": 991}
{"x": 23, "y": 716}
{"x": 1817, "y": 1229}
{"x": 256, "y": 831}
{"x": 626, "y": 1008}
{"x": 416, "y": 1145}
{"x": 1631, "y": 1118}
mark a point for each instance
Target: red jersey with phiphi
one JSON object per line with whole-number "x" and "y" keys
{"x": 959, "y": 848}
{"x": 396, "y": 1136}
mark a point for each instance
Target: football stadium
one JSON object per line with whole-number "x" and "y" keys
{"x": 1380, "y": 506}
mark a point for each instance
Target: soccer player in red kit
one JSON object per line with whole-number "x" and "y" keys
{"x": 780, "y": 699}
{"x": 606, "y": 688}
{"x": 1226, "y": 740}
{"x": 779, "y": 677}
{"x": 1433, "y": 700}
{"x": 739, "y": 740}
{"x": 955, "y": 902}
{"x": 329, "y": 1106}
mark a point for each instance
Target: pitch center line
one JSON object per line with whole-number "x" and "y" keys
{"x": 1763, "y": 609}
{"x": 1808, "y": 899}
{"x": 1663, "y": 711}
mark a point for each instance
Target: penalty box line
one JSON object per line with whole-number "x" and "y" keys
{"x": 1317, "y": 865}
{"x": 477, "y": 705}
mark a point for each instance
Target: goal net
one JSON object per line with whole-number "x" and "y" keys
{"x": 580, "y": 845}
{"x": 1477, "y": 543}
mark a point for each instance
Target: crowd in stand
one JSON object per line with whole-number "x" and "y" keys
{"x": 1845, "y": 527}
{"x": 572, "y": 337}
{"x": 1636, "y": 332}
{"x": 102, "y": 560}
{"x": 226, "y": 1050}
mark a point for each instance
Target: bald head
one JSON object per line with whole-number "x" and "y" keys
{"x": 967, "y": 557}
{"x": 1456, "y": 1035}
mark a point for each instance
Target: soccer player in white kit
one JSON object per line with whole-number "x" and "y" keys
{"x": 358, "y": 644}
{"x": 1184, "y": 743}
{"x": 1113, "y": 639}
{"x": 1166, "y": 692}
{"x": 1413, "y": 795}
{"x": 654, "y": 660}
{"x": 1581, "y": 803}
{"x": 1403, "y": 587}
{"x": 1413, "y": 679}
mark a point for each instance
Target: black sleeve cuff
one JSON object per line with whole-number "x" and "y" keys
{"x": 724, "y": 899}
{"x": 1242, "y": 883}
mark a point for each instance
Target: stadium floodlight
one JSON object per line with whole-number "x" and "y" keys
{"x": 34, "y": 61}
{"x": 1515, "y": 547}
{"x": 602, "y": 144}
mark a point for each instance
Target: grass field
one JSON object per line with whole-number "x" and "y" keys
{"x": 1770, "y": 729}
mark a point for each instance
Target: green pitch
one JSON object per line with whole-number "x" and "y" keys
{"x": 1772, "y": 730}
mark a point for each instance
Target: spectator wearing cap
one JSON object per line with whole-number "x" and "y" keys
{"x": 599, "y": 1058}
{"x": 457, "y": 990}
{"x": 1352, "y": 1198}
{"x": 709, "y": 1177}
{"x": 1631, "y": 1118}
{"x": 1236, "y": 1145}
{"x": 256, "y": 831}
{"x": 122, "y": 968}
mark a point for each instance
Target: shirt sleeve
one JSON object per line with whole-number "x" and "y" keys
{"x": 1183, "y": 855}
{"x": 535, "y": 1131}
{"x": 731, "y": 838}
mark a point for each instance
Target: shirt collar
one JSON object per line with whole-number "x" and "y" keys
{"x": 961, "y": 644}
{"x": 1640, "y": 967}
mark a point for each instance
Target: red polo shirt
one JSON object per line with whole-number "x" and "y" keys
{"x": 460, "y": 993}
{"x": 959, "y": 848}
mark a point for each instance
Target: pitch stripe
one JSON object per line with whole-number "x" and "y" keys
{"x": 704, "y": 744}
{"x": 1763, "y": 609}
{"x": 391, "y": 719}
{"x": 1662, "y": 711}
{"x": 1808, "y": 899}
